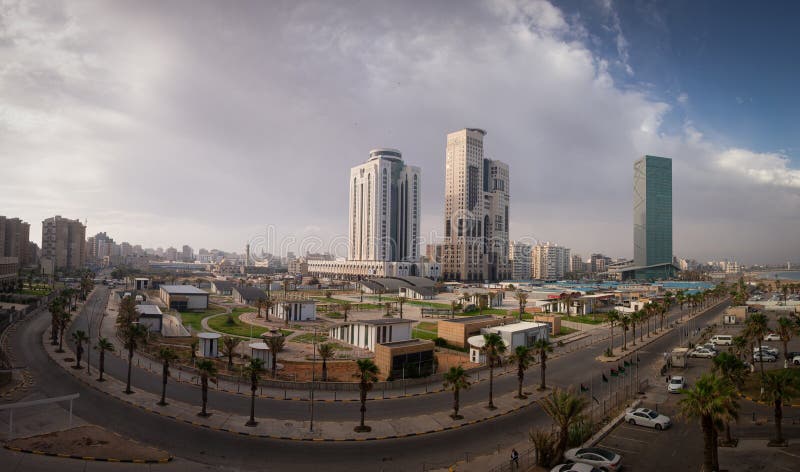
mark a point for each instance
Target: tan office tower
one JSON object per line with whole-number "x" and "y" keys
{"x": 476, "y": 211}
{"x": 63, "y": 243}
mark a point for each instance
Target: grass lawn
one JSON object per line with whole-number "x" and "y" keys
{"x": 422, "y": 334}
{"x": 308, "y": 338}
{"x": 427, "y": 326}
{"x": 487, "y": 311}
{"x": 193, "y": 318}
{"x": 565, "y": 331}
{"x": 236, "y": 327}
{"x": 35, "y": 291}
{"x": 588, "y": 319}
{"x": 334, "y": 315}
{"x": 752, "y": 383}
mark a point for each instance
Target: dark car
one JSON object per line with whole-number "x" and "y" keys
{"x": 792, "y": 354}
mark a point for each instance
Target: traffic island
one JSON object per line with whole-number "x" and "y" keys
{"x": 91, "y": 443}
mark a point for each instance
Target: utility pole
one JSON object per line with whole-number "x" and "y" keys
{"x": 313, "y": 373}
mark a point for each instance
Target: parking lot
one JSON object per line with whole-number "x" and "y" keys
{"x": 681, "y": 446}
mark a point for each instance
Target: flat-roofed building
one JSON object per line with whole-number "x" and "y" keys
{"x": 523, "y": 333}
{"x": 248, "y": 295}
{"x": 456, "y": 331}
{"x": 9, "y": 268}
{"x": 184, "y": 297}
{"x": 296, "y": 310}
{"x": 367, "y": 333}
{"x": 405, "y": 359}
{"x": 150, "y": 316}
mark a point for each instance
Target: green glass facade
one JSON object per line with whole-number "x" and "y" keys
{"x": 652, "y": 212}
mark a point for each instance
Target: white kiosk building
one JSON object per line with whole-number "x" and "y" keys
{"x": 209, "y": 344}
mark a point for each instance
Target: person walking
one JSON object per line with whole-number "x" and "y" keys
{"x": 514, "y": 459}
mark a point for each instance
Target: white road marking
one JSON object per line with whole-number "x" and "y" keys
{"x": 629, "y": 439}
{"x": 618, "y": 449}
{"x": 639, "y": 429}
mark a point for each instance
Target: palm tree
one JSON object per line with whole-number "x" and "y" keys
{"x": 132, "y": 334}
{"x": 625, "y": 322}
{"x": 541, "y": 347}
{"x": 207, "y": 371}
{"x": 253, "y": 369}
{"x": 259, "y": 306}
{"x": 55, "y": 307}
{"x": 165, "y": 355}
{"x": 79, "y": 336}
{"x": 326, "y": 351}
{"x": 522, "y": 298}
{"x": 567, "y": 297}
{"x": 453, "y": 305}
{"x": 493, "y": 348}
{"x": 400, "y": 302}
{"x": 757, "y": 327}
{"x": 345, "y": 307}
{"x": 276, "y": 345}
{"x": 102, "y": 346}
{"x": 636, "y": 317}
{"x": 456, "y": 379}
{"x": 127, "y": 311}
{"x": 63, "y": 321}
{"x": 681, "y": 299}
{"x": 739, "y": 346}
{"x": 786, "y": 329}
{"x": 565, "y": 408}
{"x": 780, "y": 386}
{"x": 711, "y": 401}
{"x": 367, "y": 375}
{"x": 612, "y": 317}
{"x": 286, "y": 308}
{"x": 523, "y": 356}
{"x": 269, "y": 302}
{"x": 732, "y": 369}
{"x": 229, "y": 344}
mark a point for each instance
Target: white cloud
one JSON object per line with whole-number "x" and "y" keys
{"x": 166, "y": 131}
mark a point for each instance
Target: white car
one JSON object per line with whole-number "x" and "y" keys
{"x": 603, "y": 459}
{"x": 702, "y": 352}
{"x": 676, "y": 383}
{"x": 763, "y": 357}
{"x": 575, "y": 467}
{"x": 772, "y": 337}
{"x": 647, "y": 417}
{"x": 796, "y": 360}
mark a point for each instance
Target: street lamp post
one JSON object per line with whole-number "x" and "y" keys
{"x": 313, "y": 373}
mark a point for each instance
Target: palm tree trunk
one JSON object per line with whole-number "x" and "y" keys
{"x": 204, "y": 389}
{"x": 102, "y": 364}
{"x": 252, "y": 421}
{"x": 778, "y": 420}
{"x": 520, "y": 378}
{"x": 324, "y": 370}
{"x": 728, "y": 438}
{"x": 633, "y": 325}
{"x": 455, "y": 403}
{"x": 708, "y": 443}
{"x": 624, "y": 339}
{"x": 611, "y": 345}
{"x": 130, "y": 364}
{"x": 543, "y": 367}
{"x": 491, "y": 384}
{"x": 363, "y": 405}
{"x": 164, "y": 375}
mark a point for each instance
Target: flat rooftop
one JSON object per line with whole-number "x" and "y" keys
{"x": 183, "y": 290}
{"x": 469, "y": 319}
{"x": 517, "y": 327}
{"x": 409, "y": 342}
{"x": 148, "y": 310}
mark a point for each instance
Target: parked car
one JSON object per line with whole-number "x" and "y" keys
{"x": 796, "y": 360}
{"x": 702, "y": 352}
{"x": 647, "y": 417}
{"x": 792, "y": 354}
{"x": 722, "y": 340}
{"x": 575, "y": 467}
{"x": 675, "y": 384}
{"x": 709, "y": 346}
{"x": 766, "y": 349}
{"x": 763, "y": 357}
{"x": 772, "y": 337}
{"x": 603, "y": 459}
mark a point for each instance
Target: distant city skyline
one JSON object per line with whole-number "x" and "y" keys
{"x": 160, "y": 132}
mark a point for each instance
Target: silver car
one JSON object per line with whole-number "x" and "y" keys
{"x": 647, "y": 417}
{"x": 603, "y": 459}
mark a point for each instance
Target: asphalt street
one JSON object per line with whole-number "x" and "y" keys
{"x": 237, "y": 453}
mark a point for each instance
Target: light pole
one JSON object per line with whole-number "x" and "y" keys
{"x": 313, "y": 372}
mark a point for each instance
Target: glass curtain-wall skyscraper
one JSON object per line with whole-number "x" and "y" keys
{"x": 652, "y": 218}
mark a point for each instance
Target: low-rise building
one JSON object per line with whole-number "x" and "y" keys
{"x": 367, "y": 333}
{"x": 150, "y": 316}
{"x": 352, "y": 270}
{"x": 405, "y": 359}
{"x": 184, "y": 297}
{"x": 9, "y": 267}
{"x": 523, "y": 333}
{"x": 222, "y": 287}
{"x": 141, "y": 283}
{"x": 296, "y": 310}
{"x": 456, "y": 331}
{"x": 247, "y": 295}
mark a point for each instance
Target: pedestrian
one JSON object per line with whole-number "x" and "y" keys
{"x": 514, "y": 459}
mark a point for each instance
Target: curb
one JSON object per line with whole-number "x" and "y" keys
{"x": 598, "y": 436}
{"x": 88, "y": 458}
{"x": 790, "y": 405}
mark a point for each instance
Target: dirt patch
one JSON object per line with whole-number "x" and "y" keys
{"x": 90, "y": 441}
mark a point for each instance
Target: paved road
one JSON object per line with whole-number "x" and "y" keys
{"x": 226, "y": 450}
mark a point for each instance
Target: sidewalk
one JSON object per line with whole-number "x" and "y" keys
{"x": 298, "y": 430}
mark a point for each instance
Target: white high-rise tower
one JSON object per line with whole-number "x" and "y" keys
{"x": 385, "y": 196}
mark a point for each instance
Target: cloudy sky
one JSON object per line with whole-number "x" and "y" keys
{"x": 168, "y": 122}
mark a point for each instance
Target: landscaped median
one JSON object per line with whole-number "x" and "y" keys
{"x": 297, "y": 430}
